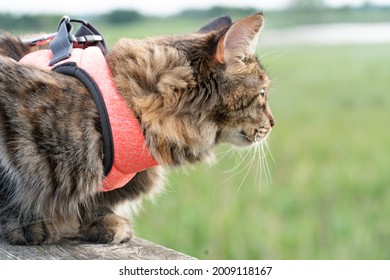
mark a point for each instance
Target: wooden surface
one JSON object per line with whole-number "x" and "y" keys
{"x": 137, "y": 249}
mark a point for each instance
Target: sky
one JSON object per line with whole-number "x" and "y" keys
{"x": 148, "y": 7}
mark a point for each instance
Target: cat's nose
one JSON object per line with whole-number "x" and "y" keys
{"x": 270, "y": 117}
{"x": 272, "y": 120}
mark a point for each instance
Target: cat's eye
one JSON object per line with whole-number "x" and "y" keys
{"x": 262, "y": 92}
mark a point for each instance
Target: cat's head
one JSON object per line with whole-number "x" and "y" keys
{"x": 243, "y": 116}
{"x": 193, "y": 91}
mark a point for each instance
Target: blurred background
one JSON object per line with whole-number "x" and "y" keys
{"x": 326, "y": 191}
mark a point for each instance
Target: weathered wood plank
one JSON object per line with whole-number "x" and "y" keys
{"x": 136, "y": 249}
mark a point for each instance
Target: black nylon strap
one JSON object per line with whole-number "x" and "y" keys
{"x": 71, "y": 69}
{"x": 90, "y": 35}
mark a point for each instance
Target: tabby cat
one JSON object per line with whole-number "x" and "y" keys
{"x": 188, "y": 92}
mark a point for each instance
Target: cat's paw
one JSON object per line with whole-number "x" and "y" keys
{"x": 109, "y": 228}
{"x": 29, "y": 233}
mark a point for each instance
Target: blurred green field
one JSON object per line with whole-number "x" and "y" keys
{"x": 330, "y": 194}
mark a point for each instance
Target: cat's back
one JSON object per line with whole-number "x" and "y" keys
{"x": 12, "y": 46}
{"x": 49, "y": 127}
{"x": 24, "y": 82}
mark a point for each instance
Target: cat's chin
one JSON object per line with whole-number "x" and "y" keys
{"x": 243, "y": 141}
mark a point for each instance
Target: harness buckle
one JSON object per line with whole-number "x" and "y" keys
{"x": 64, "y": 40}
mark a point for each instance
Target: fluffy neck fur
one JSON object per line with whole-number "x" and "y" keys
{"x": 173, "y": 104}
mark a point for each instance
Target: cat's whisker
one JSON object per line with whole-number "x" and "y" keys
{"x": 257, "y": 179}
{"x": 259, "y": 167}
{"x": 238, "y": 164}
{"x": 240, "y": 157}
{"x": 236, "y": 173}
{"x": 262, "y": 154}
{"x": 224, "y": 153}
{"x": 249, "y": 169}
{"x": 260, "y": 164}
{"x": 227, "y": 154}
{"x": 269, "y": 150}
{"x": 247, "y": 137}
{"x": 266, "y": 167}
{"x": 259, "y": 151}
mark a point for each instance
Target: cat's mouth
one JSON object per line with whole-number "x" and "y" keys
{"x": 243, "y": 137}
{"x": 258, "y": 136}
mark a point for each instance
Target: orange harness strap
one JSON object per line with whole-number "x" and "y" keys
{"x": 131, "y": 154}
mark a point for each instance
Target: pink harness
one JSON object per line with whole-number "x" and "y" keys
{"x": 131, "y": 154}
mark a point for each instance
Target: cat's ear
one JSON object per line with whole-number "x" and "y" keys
{"x": 216, "y": 24}
{"x": 240, "y": 40}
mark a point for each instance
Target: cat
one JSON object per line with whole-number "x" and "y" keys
{"x": 189, "y": 93}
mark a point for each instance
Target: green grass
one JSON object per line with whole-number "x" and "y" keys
{"x": 330, "y": 193}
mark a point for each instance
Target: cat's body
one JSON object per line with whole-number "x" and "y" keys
{"x": 188, "y": 92}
